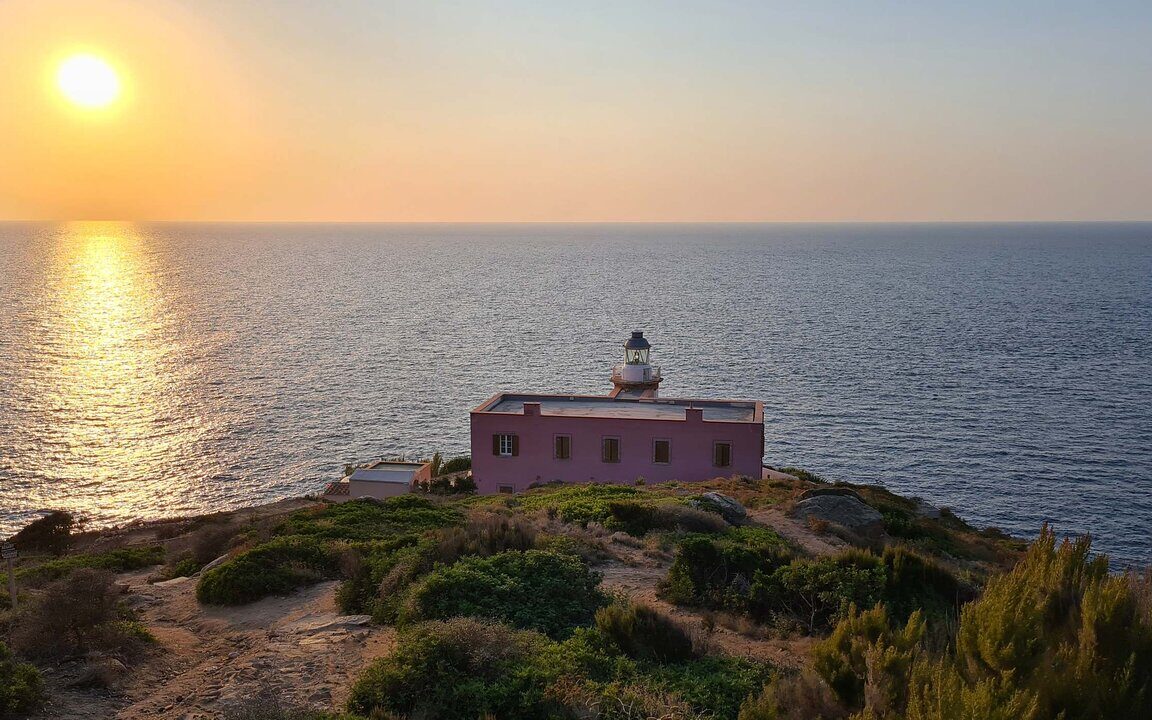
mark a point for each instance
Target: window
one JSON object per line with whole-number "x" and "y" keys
{"x": 563, "y": 447}
{"x": 505, "y": 445}
{"x": 661, "y": 451}
{"x": 610, "y": 449}
{"x": 506, "y": 489}
{"x": 722, "y": 454}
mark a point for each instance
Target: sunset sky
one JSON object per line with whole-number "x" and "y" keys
{"x": 582, "y": 111}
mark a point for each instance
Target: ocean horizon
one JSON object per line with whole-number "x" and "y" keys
{"x": 160, "y": 369}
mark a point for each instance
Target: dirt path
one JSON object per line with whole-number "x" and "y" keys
{"x": 295, "y": 649}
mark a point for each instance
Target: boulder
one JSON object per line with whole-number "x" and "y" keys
{"x": 329, "y": 623}
{"x": 729, "y": 508}
{"x": 831, "y": 490}
{"x": 844, "y": 510}
{"x": 926, "y": 509}
{"x": 215, "y": 563}
{"x": 174, "y": 581}
{"x": 101, "y": 672}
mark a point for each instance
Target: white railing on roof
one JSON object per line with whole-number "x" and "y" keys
{"x": 651, "y": 376}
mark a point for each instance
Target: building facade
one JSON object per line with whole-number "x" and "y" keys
{"x": 522, "y": 439}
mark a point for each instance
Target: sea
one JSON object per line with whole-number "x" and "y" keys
{"x": 1001, "y": 370}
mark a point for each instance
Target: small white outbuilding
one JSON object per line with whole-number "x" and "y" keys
{"x": 382, "y": 479}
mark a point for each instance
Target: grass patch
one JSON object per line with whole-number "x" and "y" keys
{"x": 366, "y": 519}
{"x": 121, "y": 560}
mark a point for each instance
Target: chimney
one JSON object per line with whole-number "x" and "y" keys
{"x": 694, "y": 415}
{"x": 532, "y": 408}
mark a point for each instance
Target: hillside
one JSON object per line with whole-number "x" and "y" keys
{"x": 572, "y": 601}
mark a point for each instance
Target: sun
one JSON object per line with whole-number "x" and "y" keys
{"x": 88, "y": 81}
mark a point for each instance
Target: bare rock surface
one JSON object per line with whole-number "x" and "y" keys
{"x": 843, "y": 510}
{"x": 729, "y": 507}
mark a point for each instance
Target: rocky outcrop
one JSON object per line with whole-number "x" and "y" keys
{"x": 727, "y": 507}
{"x": 831, "y": 490}
{"x": 846, "y": 510}
{"x": 101, "y": 672}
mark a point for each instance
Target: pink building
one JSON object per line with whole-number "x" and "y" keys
{"x": 520, "y": 439}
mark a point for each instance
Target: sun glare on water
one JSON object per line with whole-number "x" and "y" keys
{"x": 88, "y": 81}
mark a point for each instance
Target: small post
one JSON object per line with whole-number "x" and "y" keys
{"x": 8, "y": 552}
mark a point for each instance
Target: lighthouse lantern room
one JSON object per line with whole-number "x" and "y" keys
{"x": 636, "y": 376}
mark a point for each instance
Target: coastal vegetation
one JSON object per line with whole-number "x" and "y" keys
{"x": 625, "y": 602}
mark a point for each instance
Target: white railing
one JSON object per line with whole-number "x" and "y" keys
{"x": 618, "y": 374}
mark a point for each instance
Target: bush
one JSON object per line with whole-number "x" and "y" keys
{"x": 51, "y": 533}
{"x": 535, "y": 590}
{"x": 638, "y": 518}
{"x": 804, "y": 475}
{"x": 578, "y": 504}
{"x": 717, "y": 685}
{"x": 642, "y": 633}
{"x": 276, "y": 567}
{"x": 1057, "y": 636}
{"x": 865, "y": 651}
{"x": 121, "y": 560}
{"x": 818, "y": 592}
{"x": 914, "y": 582}
{"x": 793, "y": 697}
{"x": 1061, "y": 629}
{"x": 456, "y": 464}
{"x": 462, "y": 669}
{"x": 77, "y": 614}
{"x": 381, "y": 574}
{"x": 21, "y": 688}
{"x": 369, "y": 519}
{"x": 444, "y": 485}
{"x": 717, "y": 570}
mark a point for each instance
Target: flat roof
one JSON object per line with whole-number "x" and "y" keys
{"x": 741, "y": 411}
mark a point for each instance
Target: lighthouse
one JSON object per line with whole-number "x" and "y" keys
{"x": 636, "y": 376}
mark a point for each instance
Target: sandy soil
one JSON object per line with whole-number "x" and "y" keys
{"x": 295, "y": 648}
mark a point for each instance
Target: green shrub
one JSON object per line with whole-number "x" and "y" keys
{"x": 535, "y": 590}
{"x": 381, "y": 573}
{"x": 818, "y": 592}
{"x": 456, "y": 464}
{"x": 717, "y": 685}
{"x": 578, "y": 504}
{"x": 641, "y": 517}
{"x": 463, "y": 669}
{"x": 121, "y": 560}
{"x": 1057, "y": 636}
{"x": 643, "y": 633}
{"x": 276, "y": 567}
{"x": 51, "y": 533}
{"x": 914, "y": 582}
{"x": 1061, "y": 628}
{"x": 864, "y": 648}
{"x": 21, "y": 688}
{"x": 804, "y": 475}
{"x": 186, "y": 567}
{"x": 802, "y": 696}
{"x": 370, "y": 519}
{"x": 717, "y": 570}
